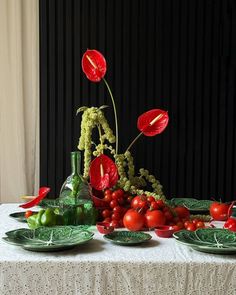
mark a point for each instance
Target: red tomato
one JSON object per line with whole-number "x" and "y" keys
{"x": 115, "y": 216}
{"x": 191, "y": 227}
{"x": 113, "y": 203}
{"x": 219, "y": 211}
{"x": 151, "y": 199}
{"x": 160, "y": 203}
{"x": 186, "y": 223}
{"x": 106, "y": 213}
{"x": 230, "y": 224}
{"x": 182, "y": 212}
{"x": 28, "y": 213}
{"x": 117, "y": 194}
{"x": 133, "y": 220}
{"x": 107, "y": 198}
{"x": 107, "y": 219}
{"x": 154, "y": 205}
{"x": 154, "y": 218}
{"x": 195, "y": 221}
{"x": 108, "y": 192}
{"x": 115, "y": 223}
{"x": 139, "y": 202}
{"x": 118, "y": 209}
{"x": 200, "y": 224}
{"x": 121, "y": 201}
{"x": 169, "y": 216}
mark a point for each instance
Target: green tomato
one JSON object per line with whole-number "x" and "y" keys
{"x": 48, "y": 218}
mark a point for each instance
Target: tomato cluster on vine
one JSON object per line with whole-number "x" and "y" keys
{"x": 144, "y": 212}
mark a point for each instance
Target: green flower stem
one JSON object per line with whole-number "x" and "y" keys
{"x": 100, "y": 135}
{"x": 136, "y": 138}
{"x": 114, "y": 108}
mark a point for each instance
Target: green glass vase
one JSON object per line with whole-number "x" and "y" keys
{"x": 75, "y": 199}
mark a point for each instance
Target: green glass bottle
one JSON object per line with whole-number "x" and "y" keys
{"x": 75, "y": 194}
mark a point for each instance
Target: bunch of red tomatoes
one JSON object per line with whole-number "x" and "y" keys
{"x": 144, "y": 212}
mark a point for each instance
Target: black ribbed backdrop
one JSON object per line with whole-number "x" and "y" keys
{"x": 176, "y": 55}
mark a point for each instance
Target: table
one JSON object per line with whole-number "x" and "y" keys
{"x": 160, "y": 266}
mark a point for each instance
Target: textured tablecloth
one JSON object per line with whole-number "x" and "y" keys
{"x": 160, "y": 266}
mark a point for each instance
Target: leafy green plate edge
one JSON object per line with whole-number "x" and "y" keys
{"x": 120, "y": 242}
{"x": 180, "y": 202}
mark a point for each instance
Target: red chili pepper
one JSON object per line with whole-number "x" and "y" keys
{"x": 153, "y": 122}
{"x": 94, "y": 65}
{"x": 103, "y": 173}
{"x": 230, "y": 224}
{"x": 43, "y": 191}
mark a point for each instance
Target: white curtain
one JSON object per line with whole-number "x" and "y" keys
{"x": 19, "y": 99}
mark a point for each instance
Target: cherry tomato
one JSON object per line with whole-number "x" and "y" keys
{"x": 118, "y": 209}
{"x": 219, "y": 211}
{"x": 107, "y": 198}
{"x": 200, "y": 224}
{"x": 154, "y": 218}
{"x": 182, "y": 212}
{"x": 160, "y": 203}
{"x": 154, "y": 205}
{"x": 115, "y": 216}
{"x": 28, "y": 213}
{"x": 117, "y": 194}
{"x": 191, "y": 227}
{"x": 107, "y": 219}
{"x": 151, "y": 199}
{"x": 175, "y": 227}
{"x": 106, "y": 213}
{"x": 230, "y": 224}
{"x": 113, "y": 203}
{"x": 108, "y": 192}
{"x": 195, "y": 221}
{"x": 186, "y": 223}
{"x": 115, "y": 223}
{"x": 135, "y": 202}
{"x": 133, "y": 220}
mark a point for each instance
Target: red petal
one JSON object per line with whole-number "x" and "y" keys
{"x": 153, "y": 122}
{"x": 103, "y": 165}
{"x": 94, "y": 65}
{"x": 43, "y": 191}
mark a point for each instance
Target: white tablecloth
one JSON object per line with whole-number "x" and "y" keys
{"x": 160, "y": 266}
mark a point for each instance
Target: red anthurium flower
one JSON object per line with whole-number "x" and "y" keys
{"x": 153, "y": 122}
{"x": 43, "y": 191}
{"x": 94, "y": 65}
{"x": 103, "y": 173}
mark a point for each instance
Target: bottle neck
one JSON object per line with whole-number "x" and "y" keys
{"x": 75, "y": 162}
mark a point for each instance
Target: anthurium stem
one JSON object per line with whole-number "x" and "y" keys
{"x": 136, "y": 138}
{"x": 100, "y": 135}
{"x": 115, "y": 114}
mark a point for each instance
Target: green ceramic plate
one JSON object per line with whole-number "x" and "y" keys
{"x": 210, "y": 240}
{"x": 193, "y": 205}
{"x": 20, "y": 216}
{"x": 45, "y": 239}
{"x": 127, "y": 238}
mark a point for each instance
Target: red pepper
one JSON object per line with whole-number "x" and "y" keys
{"x": 230, "y": 224}
{"x": 43, "y": 191}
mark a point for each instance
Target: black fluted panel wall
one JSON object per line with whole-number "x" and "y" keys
{"x": 176, "y": 55}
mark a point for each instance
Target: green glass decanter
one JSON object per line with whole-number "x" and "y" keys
{"x": 75, "y": 197}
